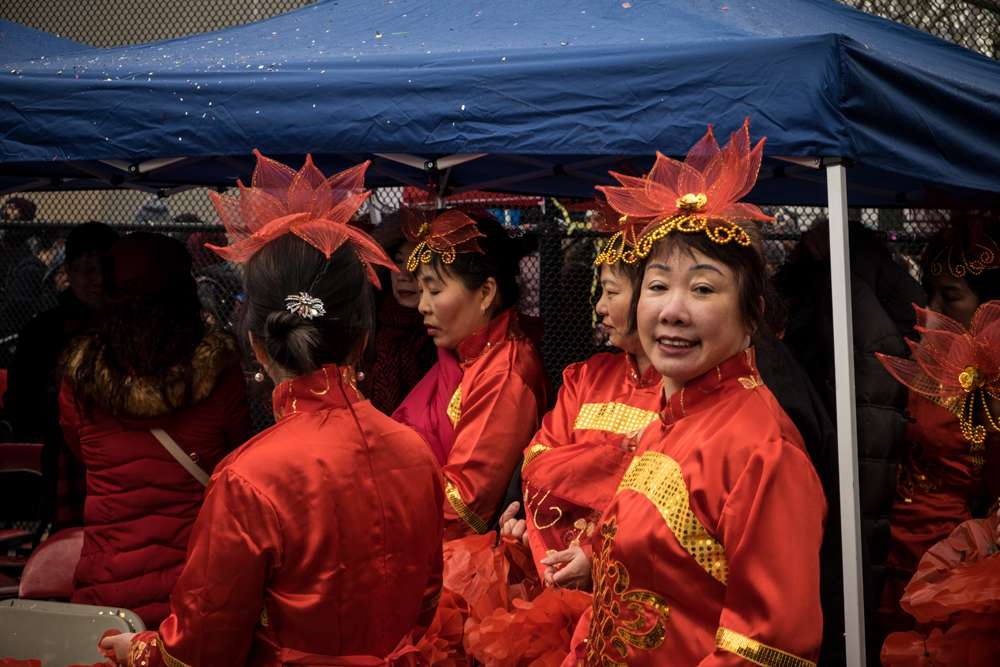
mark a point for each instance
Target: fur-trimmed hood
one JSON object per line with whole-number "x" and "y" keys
{"x": 144, "y": 397}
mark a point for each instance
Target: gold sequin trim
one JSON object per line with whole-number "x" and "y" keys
{"x": 659, "y": 478}
{"x": 467, "y": 515}
{"x": 755, "y": 652}
{"x": 263, "y": 616}
{"x": 167, "y": 658}
{"x": 533, "y": 453}
{"x": 136, "y": 653}
{"x": 613, "y": 417}
{"x": 455, "y": 406}
{"x": 433, "y": 602}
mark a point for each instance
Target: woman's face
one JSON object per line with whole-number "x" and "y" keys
{"x": 951, "y": 296}
{"x": 404, "y": 285}
{"x": 688, "y": 315}
{"x": 451, "y": 311}
{"x": 616, "y": 295}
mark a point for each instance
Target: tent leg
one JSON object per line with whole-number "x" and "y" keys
{"x": 847, "y": 441}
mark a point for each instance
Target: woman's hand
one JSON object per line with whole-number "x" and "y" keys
{"x": 516, "y": 528}
{"x": 119, "y": 643}
{"x": 576, "y": 572}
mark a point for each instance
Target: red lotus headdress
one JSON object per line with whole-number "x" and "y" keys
{"x": 956, "y": 367}
{"x": 697, "y": 195}
{"x": 447, "y": 233}
{"x": 624, "y": 231}
{"x": 317, "y": 209}
{"x": 963, "y": 245}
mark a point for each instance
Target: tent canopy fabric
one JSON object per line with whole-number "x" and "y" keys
{"x": 553, "y": 92}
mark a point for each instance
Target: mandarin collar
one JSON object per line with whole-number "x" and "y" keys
{"x": 323, "y": 389}
{"x": 648, "y": 379}
{"x": 503, "y": 327}
{"x": 734, "y": 375}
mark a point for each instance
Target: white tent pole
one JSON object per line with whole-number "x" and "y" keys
{"x": 847, "y": 440}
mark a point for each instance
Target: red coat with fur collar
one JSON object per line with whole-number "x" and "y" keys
{"x": 141, "y": 503}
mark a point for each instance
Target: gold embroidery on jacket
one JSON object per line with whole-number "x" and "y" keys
{"x": 752, "y": 382}
{"x": 533, "y": 453}
{"x": 463, "y": 511}
{"x": 534, "y": 512}
{"x": 659, "y": 478}
{"x": 433, "y": 602}
{"x": 613, "y": 417}
{"x": 612, "y": 603}
{"x": 755, "y": 652}
{"x": 455, "y": 406}
{"x": 167, "y": 658}
{"x": 263, "y": 615}
{"x": 137, "y": 656}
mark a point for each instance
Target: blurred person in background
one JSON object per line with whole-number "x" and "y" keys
{"x": 148, "y": 362}
{"x": 219, "y": 282}
{"x": 28, "y": 290}
{"x": 403, "y": 350}
{"x": 32, "y": 398}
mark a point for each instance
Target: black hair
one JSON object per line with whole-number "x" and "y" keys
{"x": 500, "y": 259}
{"x": 89, "y": 237}
{"x": 288, "y": 265}
{"x": 761, "y": 309}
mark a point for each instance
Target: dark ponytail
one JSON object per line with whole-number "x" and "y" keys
{"x": 500, "y": 260}
{"x": 288, "y": 265}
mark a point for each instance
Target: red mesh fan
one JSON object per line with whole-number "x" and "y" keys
{"x": 697, "y": 195}
{"x": 447, "y": 233}
{"x": 955, "y": 367}
{"x": 305, "y": 203}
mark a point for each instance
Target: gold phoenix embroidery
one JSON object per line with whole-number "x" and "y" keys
{"x": 454, "y": 409}
{"x": 659, "y": 478}
{"x": 263, "y": 615}
{"x": 535, "y": 451}
{"x": 167, "y": 658}
{"x": 613, "y": 417}
{"x": 466, "y": 514}
{"x": 752, "y": 382}
{"x": 612, "y": 598}
{"x": 755, "y": 652}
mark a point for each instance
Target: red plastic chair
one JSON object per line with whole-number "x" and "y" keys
{"x": 49, "y": 570}
{"x": 16, "y": 456}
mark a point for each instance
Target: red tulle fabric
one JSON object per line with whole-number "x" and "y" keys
{"x": 14, "y": 662}
{"x": 958, "y": 584}
{"x": 946, "y": 351}
{"x": 721, "y": 176}
{"x": 282, "y": 201}
{"x": 448, "y": 232}
{"x": 494, "y": 608}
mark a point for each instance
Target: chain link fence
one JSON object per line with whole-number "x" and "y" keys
{"x": 107, "y": 23}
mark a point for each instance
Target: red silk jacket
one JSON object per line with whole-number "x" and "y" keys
{"x": 709, "y": 553}
{"x": 574, "y": 463}
{"x": 319, "y": 542}
{"x": 496, "y": 409}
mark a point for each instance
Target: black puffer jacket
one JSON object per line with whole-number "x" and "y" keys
{"x": 882, "y": 293}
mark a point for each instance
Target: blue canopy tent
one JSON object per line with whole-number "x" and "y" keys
{"x": 530, "y": 97}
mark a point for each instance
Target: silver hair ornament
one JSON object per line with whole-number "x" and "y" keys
{"x": 304, "y": 305}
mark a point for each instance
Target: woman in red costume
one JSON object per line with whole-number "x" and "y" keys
{"x": 574, "y": 463}
{"x": 942, "y": 473}
{"x": 319, "y": 542}
{"x": 480, "y": 404}
{"x": 708, "y": 554}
